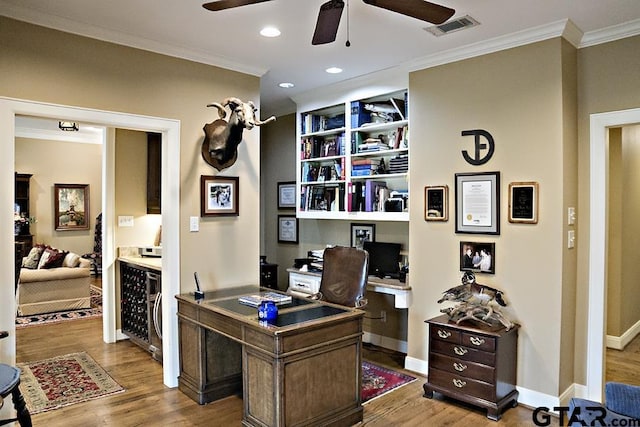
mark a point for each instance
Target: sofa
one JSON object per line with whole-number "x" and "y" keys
{"x": 621, "y": 407}
{"x": 45, "y": 287}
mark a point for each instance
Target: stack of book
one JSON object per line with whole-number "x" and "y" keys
{"x": 399, "y": 164}
{"x": 255, "y": 300}
{"x": 363, "y": 167}
{"x": 372, "y": 144}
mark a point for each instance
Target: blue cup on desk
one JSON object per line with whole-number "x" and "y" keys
{"x": 267, "y": 311}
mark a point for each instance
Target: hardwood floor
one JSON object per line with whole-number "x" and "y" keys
{"x": 147, "y": 402}
{"x": 622, "y": 366}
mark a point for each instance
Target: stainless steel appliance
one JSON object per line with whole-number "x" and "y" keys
{"x": 154, "y": 286}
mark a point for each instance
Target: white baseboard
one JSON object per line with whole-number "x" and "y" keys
{"x": 619, "y": 343}
{"x": 386, "y": 342}
{"x": 120, "y": 336}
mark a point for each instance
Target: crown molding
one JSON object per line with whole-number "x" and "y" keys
{"x": 609, "y": 34}
{"x": 116, "y": 37}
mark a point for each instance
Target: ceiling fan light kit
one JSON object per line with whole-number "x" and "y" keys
{"x": 331, "y": 12}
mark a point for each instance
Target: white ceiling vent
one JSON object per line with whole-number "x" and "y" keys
{"x": 453, "y": 26}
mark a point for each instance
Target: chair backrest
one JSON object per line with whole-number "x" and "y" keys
{"x": 344, "y": 275}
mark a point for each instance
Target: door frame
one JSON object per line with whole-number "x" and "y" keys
{"x": 596, "y": 316}
{"x": 170, "y": 130}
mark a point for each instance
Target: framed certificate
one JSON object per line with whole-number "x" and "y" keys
{"x": 287, "y": 229}
{"x": 287, "y": 195}
{"x": 478, "y": 203}
{"x": 523, "y": 202}
{"x": 436, "y": 203}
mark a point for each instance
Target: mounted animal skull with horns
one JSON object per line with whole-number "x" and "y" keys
{"x": 220, "y": 145}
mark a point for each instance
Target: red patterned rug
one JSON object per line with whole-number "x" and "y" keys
{"x": 64, "y": 380}
{"x": 61, "y": 316}
{"x": 377, "y": 380}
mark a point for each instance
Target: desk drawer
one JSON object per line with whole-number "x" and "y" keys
{"x": 462, "y": 385}
{"x": 445, "y": 334}
{"x": 463, "y": 352}
{"x": 468, "y": 369}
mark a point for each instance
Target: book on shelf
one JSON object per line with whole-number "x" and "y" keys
{"x": 255, "y": 300}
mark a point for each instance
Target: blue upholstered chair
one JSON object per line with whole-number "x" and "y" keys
{"x": 622, "y": 404}
{"x": 9, "y": 382}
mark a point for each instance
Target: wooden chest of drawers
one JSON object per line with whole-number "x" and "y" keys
{"x": 472, "y": 364}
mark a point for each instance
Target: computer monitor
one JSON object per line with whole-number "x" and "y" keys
{"x": 383, "y": 258}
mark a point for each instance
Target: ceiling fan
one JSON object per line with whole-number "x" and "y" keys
{"x": 331, "y": 11}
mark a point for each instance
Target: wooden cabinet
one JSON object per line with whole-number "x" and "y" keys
{"x": 154, "y": 173}
{"x": 353, "y": 157}
{"x": 22, "y": 205}
{"x": 474, "y": 365}
{"x": 268, "y": 274}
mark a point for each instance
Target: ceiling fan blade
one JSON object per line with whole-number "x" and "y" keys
{"x": 418, "y": 9}
{"x": 328, "y": 22}
{"x": 228, "y": 4}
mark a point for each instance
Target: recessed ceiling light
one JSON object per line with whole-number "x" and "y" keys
{"x": 270, "y": 32}
{"x": 333, "y": 70}
{"x": 286, "y": 85}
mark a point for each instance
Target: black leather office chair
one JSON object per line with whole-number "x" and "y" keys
{"x": 344, "y": 276}
{"x": 9, "y": 382}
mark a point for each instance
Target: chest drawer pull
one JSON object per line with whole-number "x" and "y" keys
{"x": 444, "y": 334}
{"x": 460, "y": 351}
{"x": 476, "y": 340}
{"x": 459, "y": 366}
{"x": 459, "y": 383}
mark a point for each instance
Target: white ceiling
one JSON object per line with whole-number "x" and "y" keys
{"x": 379, "y": 39}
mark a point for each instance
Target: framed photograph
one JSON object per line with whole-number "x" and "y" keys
{"x": 287, "y": 195}
{"x": 478, "y": 203}
{"x": 71, "y": 206}
{"x": 361, "y": 233}
{"x": 287, "y": 229}
{"x": 436, "y": 207}
{"x": 219, "y": 195}
{"x": 523, "y": 202}
{"x": 478, "y": 257}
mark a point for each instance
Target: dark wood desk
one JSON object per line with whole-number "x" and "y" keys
{"x": 304, "y": 369}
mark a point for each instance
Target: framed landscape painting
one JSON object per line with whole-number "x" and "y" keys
{"x": 71, "y": 206}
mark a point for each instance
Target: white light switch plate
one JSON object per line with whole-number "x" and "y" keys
{"x": 571, "y": 239}
{"x": 194, "y": 223}
{"x": 125, "y": 221}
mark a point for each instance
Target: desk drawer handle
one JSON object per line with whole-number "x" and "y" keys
{"x": 460, "y": 351}
{"x": 476, "y": 340}
{"x": 444, "y": 334}
{"x": 459, "y": 383}
{"x": 459, "y": 366}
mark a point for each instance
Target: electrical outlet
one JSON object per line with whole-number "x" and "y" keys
{"x": 383, "y": 316}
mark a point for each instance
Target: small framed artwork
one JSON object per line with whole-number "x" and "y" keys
{"x": 478, "y": 203}
{"x": 436, "y": 203}
{"x": 287, "y": 195}
{"x": 219, "y": 195}
{"x": 361, "y": 233}
{"x": 71, "y": 206}
{"x": 287, "y": 229}
{"x": 523, "y": 202}
{"x": 478, "y": 257}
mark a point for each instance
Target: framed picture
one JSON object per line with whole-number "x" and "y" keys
{"x": 287, "y": 195}
{"x": 478, "y": 257}
{"x": 478, "y": 203}
{"x": 287, "y": 229}
{"x": 361, "y": 233}
{"x": 71, "y": 206}
{"x": 219, "y": 195}
{"x": 436, "y": 207}
{"x": 523, "y": 202}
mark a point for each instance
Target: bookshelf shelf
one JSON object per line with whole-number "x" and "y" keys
{"x": 361, "y": 148}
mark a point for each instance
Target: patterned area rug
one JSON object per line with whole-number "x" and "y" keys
{"x": 60, "y": 316}
{"x": 377, "y": 380}
{"x": 64, "y": 380}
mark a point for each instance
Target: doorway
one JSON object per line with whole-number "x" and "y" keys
{"x": 596, "y": 320}
{"x": 170, "y": 131}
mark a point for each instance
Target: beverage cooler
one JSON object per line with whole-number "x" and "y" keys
{"x": 141, "y": 307}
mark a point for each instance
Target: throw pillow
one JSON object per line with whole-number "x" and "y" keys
{"x": 31, "y": 261}
{"x": 51, "y": 258}
{"x": 71, "y": 260}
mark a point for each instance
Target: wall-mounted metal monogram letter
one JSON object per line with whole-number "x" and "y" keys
{"x": 477, "y": 160}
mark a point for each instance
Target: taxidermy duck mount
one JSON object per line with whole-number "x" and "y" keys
{"x": 476, "y": 303}
{"x": 220, "y": 145}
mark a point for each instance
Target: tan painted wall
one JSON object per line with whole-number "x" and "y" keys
{"x": 516, "y": 95}
{"x": 56, "y": 162}
{"x": 608, "y": 80}
{"x": 51, "y": 66}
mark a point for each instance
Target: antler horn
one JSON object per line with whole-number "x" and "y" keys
{"x": 222, "y": 113}
{"x": 262, "y": 122}
{"x": 232, "y": 100}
